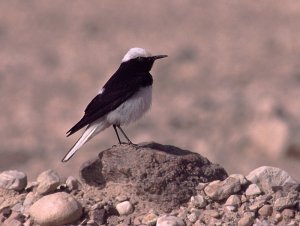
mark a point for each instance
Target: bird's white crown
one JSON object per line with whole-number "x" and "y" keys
{"x": 134, "y": 53}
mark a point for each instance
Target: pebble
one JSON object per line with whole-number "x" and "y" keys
{"x": 13, "y": 180}
{"x": 193, "y": 217}
{"x": 56, "y": 209}
{"x": 246, "y": 220}
{"x": 253, "y": 189}
{"x": 121, "y": 198}
{"x": 124, "y": 208}
{"x": 265, "y": 210}
{"x": 219, "y": 190}
{"x": 150, "y": 219}
{"x": 288, "y": 213}
{"x": 241, "y": 178}
{"x": 198, "y": 201}
{"x": 169, "y": 221}
{"x": 233, "y": 202}
{"x": 48, "y": 182}
{"x": 285, "y": 202}
{"x": 72, "y": 183}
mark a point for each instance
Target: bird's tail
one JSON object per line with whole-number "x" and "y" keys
{"x": 89, "y": 133}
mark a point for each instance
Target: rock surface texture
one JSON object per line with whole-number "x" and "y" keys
{"x": 162, "y": 173}
{"x": 122, "y": 188}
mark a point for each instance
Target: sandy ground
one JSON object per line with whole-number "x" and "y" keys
{"x": 228, "y": 90}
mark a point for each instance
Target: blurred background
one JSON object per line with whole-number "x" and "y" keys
{"x": 229, "y": 89}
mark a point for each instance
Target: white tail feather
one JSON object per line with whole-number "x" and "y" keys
{"x": 90, "y": 132}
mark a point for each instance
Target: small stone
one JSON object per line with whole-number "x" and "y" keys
{"x": 288, "y": 201}
{"x": 219, "y": 190}
{"x": 72, "y": 183}
{"x": 265, "y": 210}
{"x": 246, "y": 220}
{"x": 29, "y": 199}
{"x": 150, "y": 219}
{"x": 169, "y": 221}
{"x": 253, "y": 189}
{"x": 193, "y": 217}
{"x": 234, "y": 201}
{"x": 12, "y": 222}
{"x": 56, "y": 209}
{"x": 99, "y": 216}
{"x": 198, "y": 201}
{"x": 48, "y": 182}
{"x": 241, "y": 178}
{"x": 121, "y": 198}
{"x": 278, "y": 217}
{"x": 124, "y": 208}
{"x": 13, "y": 180}
{"x": 212, "y": 213}
{"x": 288, "y": 213}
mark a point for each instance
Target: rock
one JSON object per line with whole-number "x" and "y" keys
{"x": 193, "y": 217}
{"x": 169, "y": 221}
{"x": 122, "y": 164}
{"x": 198, "y": 201}
{"x": 15, "y": 219}
{"x": 253, "y": 189}
{"x": 267, "y": 177}
{"x": 288, "y": 213}
{"x": 13, "y": 179}
{"x": 265, "y": 210}
{"x": 56, "y": 209}
{"x": 233, "y": 202}
{"x": 246, "y": 220}
{"x": 48, "y": 182}
{"x": 99, "y": 216}
{"x": 242, "y": 178}
{"x": 124, "y": 208}
{"x": 288, "y": 201}
{"x": 150, "y": 219}
{"x": 72, "y": 183}
{"x": 219, "y": 190}
{"x": 12, "y": 222}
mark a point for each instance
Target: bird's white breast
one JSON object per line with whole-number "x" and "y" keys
{"x": 133, "y": 108}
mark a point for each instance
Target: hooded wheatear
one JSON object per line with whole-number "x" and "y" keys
{"x": 124, "y": 98}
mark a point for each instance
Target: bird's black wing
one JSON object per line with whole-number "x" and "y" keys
{"x": 116, "y": 91}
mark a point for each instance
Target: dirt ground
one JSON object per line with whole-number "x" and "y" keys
{"x": 228, "y": 90}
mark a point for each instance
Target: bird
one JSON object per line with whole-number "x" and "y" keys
{"x": 124, "y": 98}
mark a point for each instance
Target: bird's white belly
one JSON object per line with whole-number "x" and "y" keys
{"x": 132, "y": 109}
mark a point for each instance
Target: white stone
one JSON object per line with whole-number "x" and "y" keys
{"x": 169, "y": 221}
{"x": 268, "y": 177}
{"x": 198, "y": 201}
{"x": 13, "y": 180}
{"x": 56, "y": 209}
{"x": 253, "y": 189}
{"x": 124, "y": 208}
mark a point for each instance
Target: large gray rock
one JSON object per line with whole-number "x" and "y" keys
{"x": 268, "y": 177}
{"x": 56, "y": 209}
{"x": 161, "y": 173}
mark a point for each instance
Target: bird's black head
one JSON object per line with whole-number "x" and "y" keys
{"x": 139, "y": 59}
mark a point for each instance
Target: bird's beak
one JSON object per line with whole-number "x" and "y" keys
{"x": 159, "y": 57}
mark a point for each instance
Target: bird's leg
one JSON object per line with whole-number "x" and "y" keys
{"x": 115, "y": 128}
{"x": 129, "y": 141}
